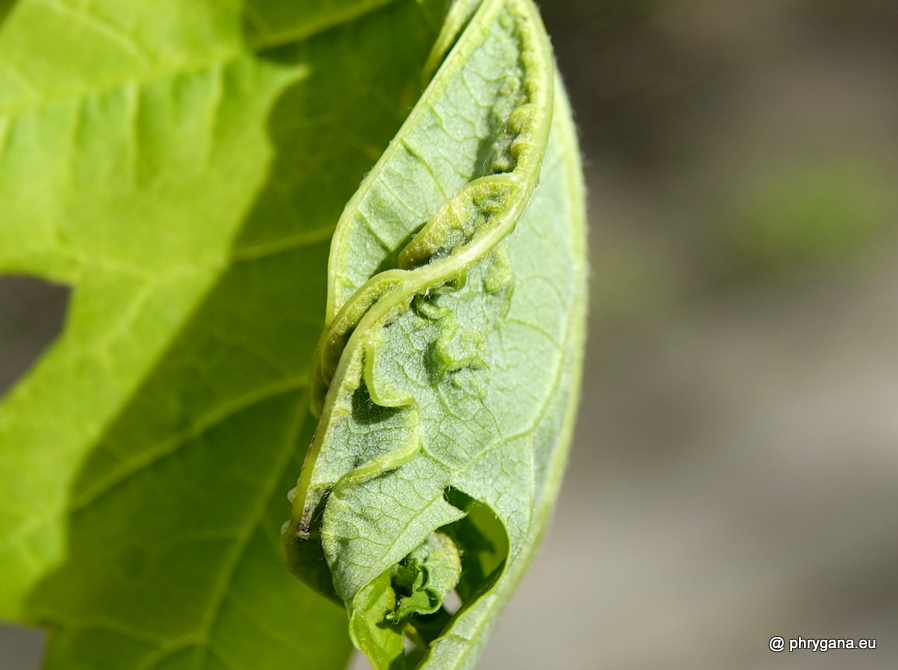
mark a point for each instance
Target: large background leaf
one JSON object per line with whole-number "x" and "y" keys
{"x": 182, "y": 165}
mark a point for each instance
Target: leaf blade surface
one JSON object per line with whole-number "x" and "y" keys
{"x": 182, "y": 165}
{"x": 447, "y": 379}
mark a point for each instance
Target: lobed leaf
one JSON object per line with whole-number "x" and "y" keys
{"x": 182, "y": 165}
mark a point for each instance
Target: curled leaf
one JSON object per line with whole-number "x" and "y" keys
{"x": 446, "y": 380}
{"x": 425, "y": 576}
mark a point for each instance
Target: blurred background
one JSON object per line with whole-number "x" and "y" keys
{"x": 735, "y": 470}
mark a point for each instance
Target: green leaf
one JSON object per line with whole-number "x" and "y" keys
{"x": 426, "y": 576}
{"x": 447, "y": 378}
{"x": 182, "y": 165}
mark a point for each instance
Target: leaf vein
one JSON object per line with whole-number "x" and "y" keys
{"x": 155, "y": 453}
{"x": 187, "y": 67}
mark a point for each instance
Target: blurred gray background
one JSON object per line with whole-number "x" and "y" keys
{"x": 735, "y": 467}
